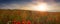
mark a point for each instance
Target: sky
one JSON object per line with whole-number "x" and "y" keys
{"x": 19, "y": 4}
{"x": 11, "y": 3}
{"x": 18, "y": 1}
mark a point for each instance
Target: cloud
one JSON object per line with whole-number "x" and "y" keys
{"x": 55, "y": 7}
{"x": 14, "y": 6}
{"x": 11, "y": 6}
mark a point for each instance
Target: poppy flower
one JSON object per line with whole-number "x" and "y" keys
{"x": 23, "y": 22}
{"x": 29, "y": 22}
{"x": 14, "y": 21}
{"x": 18, "y": 22}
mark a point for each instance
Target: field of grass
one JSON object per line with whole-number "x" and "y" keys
{"x": 28, "y": 17}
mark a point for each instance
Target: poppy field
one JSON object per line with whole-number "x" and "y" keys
{"x": 28, "y": 17}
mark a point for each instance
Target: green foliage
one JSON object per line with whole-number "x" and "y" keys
{"x": 18, "y": 18}
{"x": 53, "y": 21}
{"x": 1, "y": 22}
{"x": 11, "y": 17}
{"x": 43, "y": 18}
{"x": 4, "y": 18}
{"x": 29, "y": 18}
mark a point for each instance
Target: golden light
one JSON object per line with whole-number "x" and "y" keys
{"x": 41, "y": 7}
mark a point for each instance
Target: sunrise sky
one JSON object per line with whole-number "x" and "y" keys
{"x": 29, "y": 4}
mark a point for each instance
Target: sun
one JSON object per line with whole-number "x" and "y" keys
{"x": 41, "y": 7}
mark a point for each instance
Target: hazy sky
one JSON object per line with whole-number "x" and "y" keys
{"x": 17, "y": 4}
{"x": 18, "y": 1}
{"x": 12, "y": 3}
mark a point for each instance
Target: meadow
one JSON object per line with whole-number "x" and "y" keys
{"x": 28, "y": 17}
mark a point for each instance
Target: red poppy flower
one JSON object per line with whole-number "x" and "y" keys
{"x": 14, "y": 22}
{"x": 29, "y": 22}
{"x": 23, "y": 22}
{"x": 18, "y": 22}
